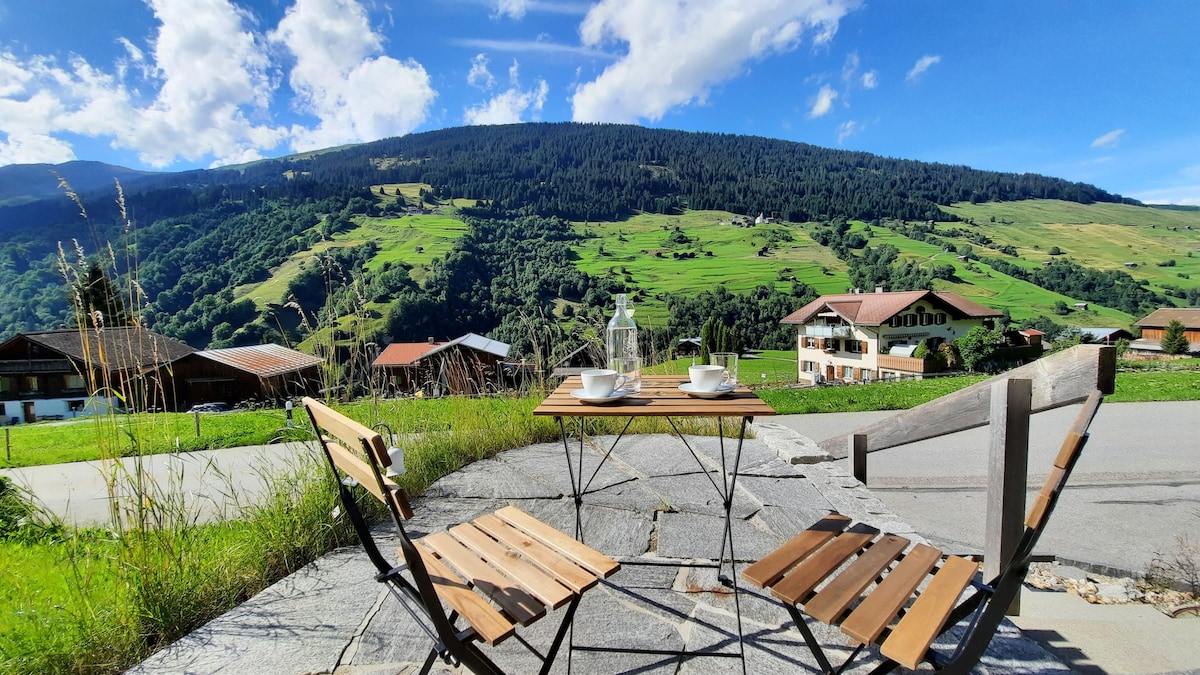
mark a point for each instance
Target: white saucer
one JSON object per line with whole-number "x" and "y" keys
{"x": 691, "y": 390}
{"x": 582, "y": 395}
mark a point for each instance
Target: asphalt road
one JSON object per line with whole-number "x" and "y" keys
{"x": 1135, "y": 490}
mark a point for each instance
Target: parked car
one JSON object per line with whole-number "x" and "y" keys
{"x": 209, "y": 408}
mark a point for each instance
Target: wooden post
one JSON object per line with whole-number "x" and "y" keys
{"x": 1008, "y": 466}
{"x": 7, "y": 445}
{"x": 858, "y": 457}
{"x": 197, "y": 414}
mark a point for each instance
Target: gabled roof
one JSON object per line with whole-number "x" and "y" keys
{"x": 1102, "y": 333}
{"x": 478, "y": 343}
{"x": 874, "y": 309}
{"x": 266, "y": 360}
{"x": 404, "y": 353}
{"x": 1159, "y": 318}
{"x": 408, "y": 353}
{"x": 114, "y": 348}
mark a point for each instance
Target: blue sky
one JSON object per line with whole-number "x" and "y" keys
{"x": 1101, "y": 91}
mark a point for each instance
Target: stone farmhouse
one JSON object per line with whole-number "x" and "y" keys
{"x": 862, "y": 337}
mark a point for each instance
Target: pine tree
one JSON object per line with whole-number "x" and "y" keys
{"x": 98, "y": 300}
{"x": 1175, "y": 339}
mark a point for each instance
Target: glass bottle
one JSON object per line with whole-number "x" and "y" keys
{"x": 622, "y": 344}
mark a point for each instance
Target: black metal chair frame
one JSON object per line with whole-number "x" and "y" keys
{"x": 418, "y": 596}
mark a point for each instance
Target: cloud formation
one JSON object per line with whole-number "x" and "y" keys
{"x": 510, "y": 106}
{"x": 204, "y": 88}
{"x": 1108, "y": 140}
{"x": 676, "y": 52}
{"x": 339, "y": 76}
{"x": 823, "y": 102}
{"x": 923, "y": 64}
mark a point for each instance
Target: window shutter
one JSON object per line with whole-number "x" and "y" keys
{"x": 865, "y": 347}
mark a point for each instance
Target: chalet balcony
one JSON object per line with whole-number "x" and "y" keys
{"x": 906, "y": 364}
{"x": 829, "y": 331}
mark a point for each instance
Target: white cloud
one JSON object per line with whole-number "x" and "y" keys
{"x": 356, "y": 94}
{"x": 870, "y": 79}
{"x": 480, "y": 77}
{"x": 923, "y": 64}
{"x": 514, "y": 9}
{"x": 213, "y": 71}
{"x": 823, "y": 102}
{"x": 676, "y": 52}
{"x": 207, "y": 72}
{"x": 1108, "y": 140}
{"x": 511, "y": 106}
{"x": 847, "y": 129}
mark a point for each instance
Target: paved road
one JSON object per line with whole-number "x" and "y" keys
{"x": 213, "y": 482}
{"x": 1134, "y": 491}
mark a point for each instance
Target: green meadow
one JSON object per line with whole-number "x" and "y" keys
{"x": 1100, "y": 236}
{"x": 700, "y": 250}
{"x": 988, "y": 287}
{"x": 642, "y": 252}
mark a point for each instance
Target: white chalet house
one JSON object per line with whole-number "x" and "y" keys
{"x": 861, "y": 337}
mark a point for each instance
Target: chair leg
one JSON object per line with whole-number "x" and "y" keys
{"x": 810, "y": 640}
{"x": 567, "y": 622}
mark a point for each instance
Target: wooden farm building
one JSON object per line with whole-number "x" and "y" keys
{"x": 267, "y": 372}
{"x": 471, "y": 364}
{"x": 60, "y": 374}
{"x": 1154, "y": 328}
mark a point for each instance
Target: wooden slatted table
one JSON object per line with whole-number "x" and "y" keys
{"x": 661, "y": 397}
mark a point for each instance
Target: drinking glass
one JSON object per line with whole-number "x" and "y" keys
{"x": 629, "y": 373}
{"x": 727, "y": 360}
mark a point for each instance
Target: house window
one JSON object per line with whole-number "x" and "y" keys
{"x": 856, "y": 346}
{"x": 31, "y": 383}
{"x": 810, "y": 343}
{"x": 808, "y": 366}
{"x": 75, "y": 406}
{"x": 910, "y": 320}
{"x": 866, "y": 375}
{"x": 926, "y": 317}
{"x": 73, "y": 381}
{"x": 939, "y": 318}
{"x": 831, "y": 345}
{"x": 6, "y": 385}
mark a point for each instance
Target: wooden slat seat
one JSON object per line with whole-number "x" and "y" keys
{"x": 880, "y": 589}
{"x": 501, "y": 571}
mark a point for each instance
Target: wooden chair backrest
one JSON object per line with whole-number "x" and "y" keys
{"x": 341, "y": 436}
{"x": 1064, "y": 462}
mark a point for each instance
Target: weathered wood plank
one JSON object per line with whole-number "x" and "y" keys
{"x": 1058, "y": 380}
{"x": 1008, "y": 465}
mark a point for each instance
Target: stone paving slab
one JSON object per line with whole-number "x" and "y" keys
{"x": 332, "y": 617}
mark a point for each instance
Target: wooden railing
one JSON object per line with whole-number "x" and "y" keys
{"x": 1005, "y": 402}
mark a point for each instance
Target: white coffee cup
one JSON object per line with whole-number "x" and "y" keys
{"x": 599, "y": 383}
{"x": 707, "y": 378}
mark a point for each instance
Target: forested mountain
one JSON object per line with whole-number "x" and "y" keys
{"x": 189, "y": 239}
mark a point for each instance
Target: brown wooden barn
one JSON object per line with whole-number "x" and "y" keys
{"x": 471, "y": 364}
{"x": 267, "y": 372}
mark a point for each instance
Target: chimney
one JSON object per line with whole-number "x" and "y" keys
{"x": 879, "y": 289}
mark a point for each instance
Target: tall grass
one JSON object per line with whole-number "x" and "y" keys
{"x": 100, "y": 600}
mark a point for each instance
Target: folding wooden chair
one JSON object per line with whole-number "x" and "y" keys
{"x": 870, "y": 580}
{"x": 499, "y": 570}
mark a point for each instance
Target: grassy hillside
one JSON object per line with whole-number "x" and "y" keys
{"x": 1100, "y": 236}
{"x": 993, "y": 289}
{"x": 642, "y": 252}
